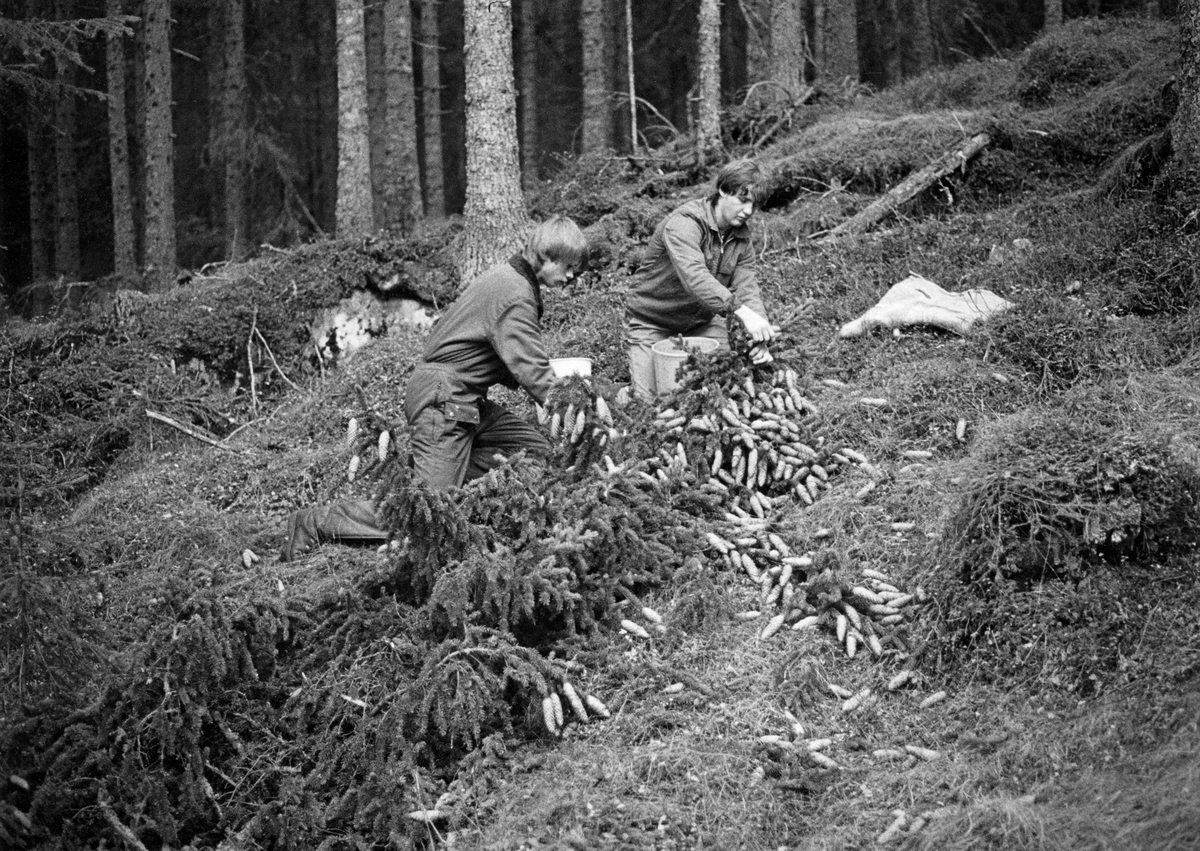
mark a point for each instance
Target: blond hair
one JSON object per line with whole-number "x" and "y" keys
{"x": 556, "y": 239}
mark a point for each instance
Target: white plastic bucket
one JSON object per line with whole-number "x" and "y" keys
{"x": 563, "y": 367}
{"x": 667, "y": 357}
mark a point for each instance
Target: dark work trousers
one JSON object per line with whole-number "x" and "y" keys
{"x": 446, "y": 453}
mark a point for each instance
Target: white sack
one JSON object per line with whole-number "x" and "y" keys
{"x": 917, "y": 301}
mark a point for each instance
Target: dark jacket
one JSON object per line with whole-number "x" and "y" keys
{"x": 689, "y": 275}
{"x": 491, "y": 334}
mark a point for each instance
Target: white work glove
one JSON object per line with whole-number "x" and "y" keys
{"x": 757, "y": 327}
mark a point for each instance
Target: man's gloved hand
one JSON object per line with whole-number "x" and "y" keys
{"x": 759, "y": 353}
{"x": 757, "y": 327}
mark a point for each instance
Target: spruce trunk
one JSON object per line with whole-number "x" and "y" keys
{"x": 159, "y": 141}
{"x": 124, "y": 237}
{"x": 235, "y": 136}
{"x": 431, "y": 110}
{"x": 527, "y": 82}
{"x": 708, "y": 82}
{"x": 838, "y": 61}
{"x": 402, "y": 190}
{"x": 355, "y": 216}
{"x": 596, "y": 33}
{"x": 494, "y": 212}
{"x": 66, "y": 167}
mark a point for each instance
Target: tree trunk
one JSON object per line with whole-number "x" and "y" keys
{"x": 403, "y": 189}
{"x": 431, "y": 109}
{"x": 355, "y": 216}
{"x": 708, "y": 82}
{"x": 234, "y": 132}
{"x": 758, "y": 14}
{"x": 66, "y": 167}
{"x": 124, "y": 240}
{"x": 595, "y": 28}
{"x": 41, "y": 184}
{"x": 376, "y": 79}
{"x": 631, "y": 90}
{"x": 494, "y": 212}
{"x": 921, "y": 52}
{"x": 788, "y": 48}
{"x": 527, "y": 83}
{"x": 160, "y": 157}
{"x": 322, "y": 123}
{"x": 838, "y": 57}
{"x": 893, "y": 50}
{"x": 1053, "y": 16}
{"x": 1185, "y": 126}
{"x": 135, "y": 124}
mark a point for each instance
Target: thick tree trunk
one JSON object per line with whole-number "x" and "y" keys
{"x": 1053, "y": 14}
{"x": 124, "y": 239}
{"x": 160, "y": 156}
{"x": 355, "y": 216}
{"x": 235, "y": 130}
{"x": 595, "y": 28}
{"x": 403, "y": 189}
{"x": 757, "y": 14}
{"x": 1185, "y": 127}
{"x": 921, "y": 52}
{"x": 431, "y": 109}
{"x": 66, "y": 167}
{"x": 837, "y": 60}
{"x": 789, "y": 48}
{"x": 708, "y": 82}
{"x": 494, "y": 213}
{"x": 527, "y": 83}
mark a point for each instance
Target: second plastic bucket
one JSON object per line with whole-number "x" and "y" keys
{"x": 668, "y": 356}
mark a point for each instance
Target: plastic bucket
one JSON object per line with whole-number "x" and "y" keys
{"x": 667, "y": 357}
{"x": 562, "y": 367}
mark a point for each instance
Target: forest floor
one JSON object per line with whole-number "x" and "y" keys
{"x": 1035, "y": 487}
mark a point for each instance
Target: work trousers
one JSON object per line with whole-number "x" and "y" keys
{"x": 446, "y": 453}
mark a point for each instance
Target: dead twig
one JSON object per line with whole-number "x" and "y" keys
{"x": 274, "y": 362}
{"x": 250, "y": 362}
{"x": 188, "y": 430}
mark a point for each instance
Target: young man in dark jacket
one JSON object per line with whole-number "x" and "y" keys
{"x": 490, "y": 335}
{"x": 699, "y": 270}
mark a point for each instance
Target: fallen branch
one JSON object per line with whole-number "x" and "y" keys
{"x": 188, "y": 430}
{"x": 120, "y": 828}
{"x": 909, "y": 188}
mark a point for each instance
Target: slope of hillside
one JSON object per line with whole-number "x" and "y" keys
{"x": 1034, "y": 487}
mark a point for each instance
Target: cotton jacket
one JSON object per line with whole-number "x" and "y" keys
{"x": 689, "y": 274}
{"x": 491, "y": 334}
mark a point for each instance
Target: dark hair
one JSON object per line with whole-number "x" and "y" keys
{"x": 557, "y": 238}
{"x": 742, "y": 178}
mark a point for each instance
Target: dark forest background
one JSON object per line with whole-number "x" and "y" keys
{"x": 292, "y": 95}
